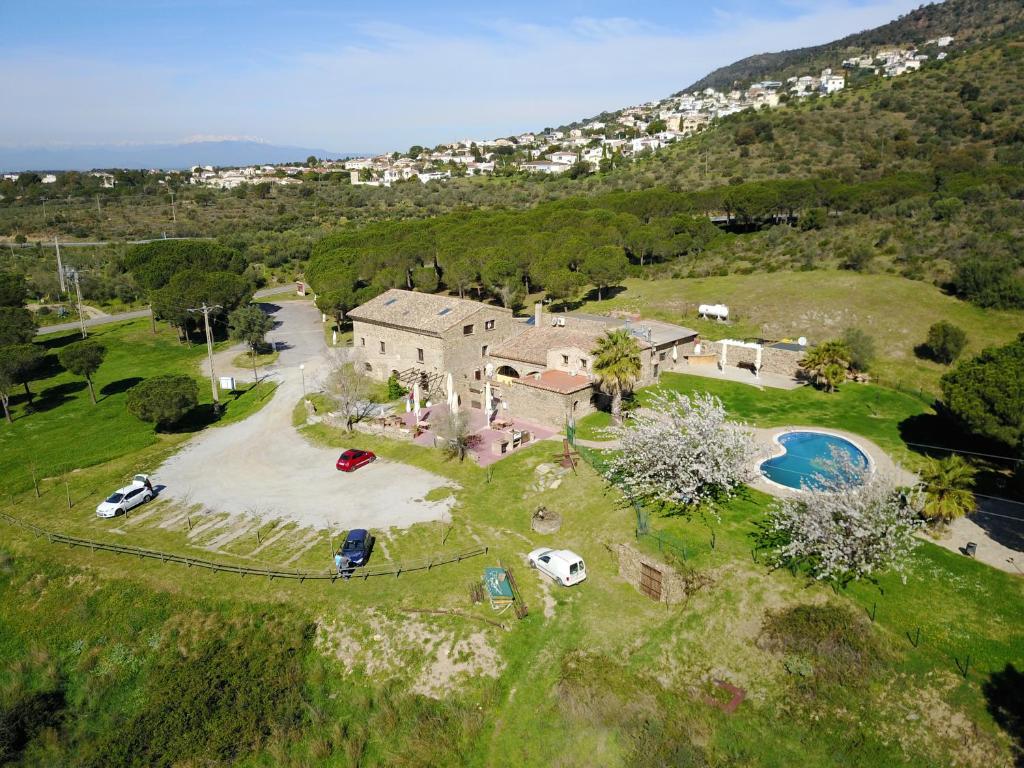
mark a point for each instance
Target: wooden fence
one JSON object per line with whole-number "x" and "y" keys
{"x": 388, "y": 569}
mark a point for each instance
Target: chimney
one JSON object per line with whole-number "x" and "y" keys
{"x": 538, "y": 310}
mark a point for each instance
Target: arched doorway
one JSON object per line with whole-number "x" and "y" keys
{"x": 508, "y": 370}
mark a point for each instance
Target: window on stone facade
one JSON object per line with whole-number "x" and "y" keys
{"x": 583, "y": 363}
{"x": 476, "y": 374}
{"x": 363, "y": 341}
{"x": 565, "y": 359}
{"x": 367, "y": 366}
{"x": 419, "y": 355}
{"x": 383, "y": 348}
{"x": 467, "y": 330}
{"x": 483, "y": 350}
{"x": 488, "y": 325}
{"x": 661, "y": 356}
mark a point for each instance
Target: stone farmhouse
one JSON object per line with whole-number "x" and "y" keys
{"x": 537, "y": 368}
{"x": 421, "y": 337}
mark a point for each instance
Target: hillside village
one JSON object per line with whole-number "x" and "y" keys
{"x": 600, "y": 143}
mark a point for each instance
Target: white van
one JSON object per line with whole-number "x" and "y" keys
{"x": 562, "y": 565}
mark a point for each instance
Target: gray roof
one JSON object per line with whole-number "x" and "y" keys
{"x": 660, "y": 332}
{"x": 429, "y": 313}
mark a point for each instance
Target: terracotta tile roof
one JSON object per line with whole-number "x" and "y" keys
{"x": 556, "y": 381}
{"x": 532, "y": 346}
{"x": 423, "y": 312}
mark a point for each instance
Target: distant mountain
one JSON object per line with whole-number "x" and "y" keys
{"x": 167, "y": 156}
{"x": 969, "y": 21}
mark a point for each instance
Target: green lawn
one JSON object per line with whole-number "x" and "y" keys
{"x": 244, "y": 360}
{"x": 872, "y": 411}
{"x": 64, "y": 431}
{"x": 819, "y": 305}
{"x": 595, "y": 675}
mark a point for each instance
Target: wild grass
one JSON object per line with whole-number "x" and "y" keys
{"x": 820, "y": 305}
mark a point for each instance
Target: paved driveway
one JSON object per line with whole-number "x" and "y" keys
{"x": 263, "y": 466}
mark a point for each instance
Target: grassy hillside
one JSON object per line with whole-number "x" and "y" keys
{"x": 117, "y": 662}
{"x": 821, "y": 305}
{"x": 970, "y": 21}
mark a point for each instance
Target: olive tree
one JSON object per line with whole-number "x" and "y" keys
{"x": 682, "y": 451}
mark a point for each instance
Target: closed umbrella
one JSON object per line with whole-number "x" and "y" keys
{"x": 416, "y": 400}
{"x": 450, "y": 386}
{"x": 675, "y": 353}
{"x": 487, "y": 402}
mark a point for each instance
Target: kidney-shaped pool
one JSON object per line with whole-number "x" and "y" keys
{"x": 809, "y": 455}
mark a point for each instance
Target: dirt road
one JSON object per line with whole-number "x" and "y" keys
{"x": 264, "y": 467}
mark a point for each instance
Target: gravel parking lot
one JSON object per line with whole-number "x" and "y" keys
{"x": 262, "y": 466}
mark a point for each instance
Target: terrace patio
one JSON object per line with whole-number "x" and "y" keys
{"x": 502, "y": 437}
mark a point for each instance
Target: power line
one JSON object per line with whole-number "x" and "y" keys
{"x": 970, "y": 453}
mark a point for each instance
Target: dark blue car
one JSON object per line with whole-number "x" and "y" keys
{"x": 357, "y": 547}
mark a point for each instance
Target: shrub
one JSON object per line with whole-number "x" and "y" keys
{"x": 163, "y": 400}
{"x": 861, "y": 346}
{"x": 826, "y": 644}
{"x": 214, "y": 703}
{"x": 945, "y": 342}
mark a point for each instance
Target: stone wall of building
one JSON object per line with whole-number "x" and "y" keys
{"x": 453, "y": 351}
{"x": 674, "y": 588}
{"x": 784, "y": 362}
{"x": 544, "y": 406}
{"x": 400, "y": 350}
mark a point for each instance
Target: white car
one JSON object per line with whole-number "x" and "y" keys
{"x": 562, "y": 565}
{"x": 123, "y": 499}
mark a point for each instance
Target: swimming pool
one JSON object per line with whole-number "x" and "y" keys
{"x": 809, "y": 454}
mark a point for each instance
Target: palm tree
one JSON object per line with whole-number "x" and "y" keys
{"x": 948, "y": 484}
{"x": 827, "y": 364}
{"x": 617, "y": 366}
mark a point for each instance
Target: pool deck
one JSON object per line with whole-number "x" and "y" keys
{"x": 768, "y": 447}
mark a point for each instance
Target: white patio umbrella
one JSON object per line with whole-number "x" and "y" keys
{"x": 487, "y": 402}
{"x": 416, "y": 400}
{"x": 675, "y": 353}
{"x": 450, "y": 387}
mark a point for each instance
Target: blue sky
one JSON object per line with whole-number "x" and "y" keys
{"x": 361, "y": 76}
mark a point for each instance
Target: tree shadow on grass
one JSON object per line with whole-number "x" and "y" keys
{"x": 57, "y": 395}
{"x": 57, "y": 342}
{"x": 199, "y": 418}
{"x": 1004, "y": 697}
{"x": 119, "y": 386}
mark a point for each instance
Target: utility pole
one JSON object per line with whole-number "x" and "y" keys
{"x": 99, "y": 213}
{"x": 206, "y": 310}
{"x": 78, "y": 293}
{"x": 174, "y": 216}
{"x": 60, "y": 267}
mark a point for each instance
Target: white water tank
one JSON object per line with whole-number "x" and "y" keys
{"x": 716, "y": 311}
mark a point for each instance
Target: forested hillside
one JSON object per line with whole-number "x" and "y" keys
{"x": 970, "y": 21}
{"x": 920, "y": 176}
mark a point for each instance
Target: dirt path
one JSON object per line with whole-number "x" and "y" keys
{"x": 263, "y": 467}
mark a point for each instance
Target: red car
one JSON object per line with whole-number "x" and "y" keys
{"x": 353, "y": 459}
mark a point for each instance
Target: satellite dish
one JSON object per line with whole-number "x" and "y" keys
{"x": 802, "y": 341}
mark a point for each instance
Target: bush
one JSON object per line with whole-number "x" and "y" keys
{"x": 945, "y": 342}
{"x": 395, "y": 389}
{"x": 838, "y": 645}
{"x": 861, "y": 346}
{"x": 163, "y": 400}
{"x": 213, "y": 703}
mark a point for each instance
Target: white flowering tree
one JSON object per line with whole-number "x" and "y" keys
{"x": 848, "y": 524}
{"x": 682, "y": 450}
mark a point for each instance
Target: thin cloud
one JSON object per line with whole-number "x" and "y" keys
{"x": 385, "y": 86}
